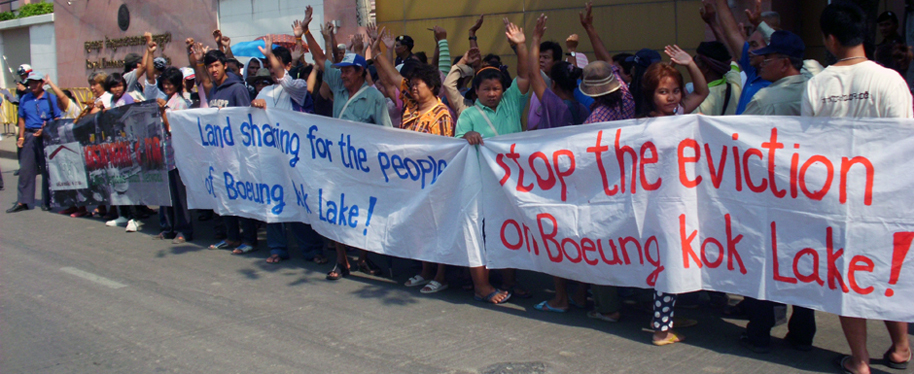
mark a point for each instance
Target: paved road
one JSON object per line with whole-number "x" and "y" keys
{"x": 79, "y": 297}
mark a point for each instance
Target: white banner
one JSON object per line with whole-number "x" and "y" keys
{"x": 811, "y": 212}
{"x": 388, "y": 191}
{"x": 806, "y": 211}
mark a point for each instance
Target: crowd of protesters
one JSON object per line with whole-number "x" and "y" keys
{"x": 379, "y": 79}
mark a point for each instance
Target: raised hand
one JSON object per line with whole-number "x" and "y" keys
{"x": 217, "y": 35}
{"x": 387, "y": 38}
{"x": 515, "y": 34}
{"x": 267, "y": 48}
{"x": 226, "y": 41}
{"x": 309, "y": 11}
{"x": 677, "y": 55}
{"x": 587, "y": 15}
{"x": 440, "y": 33}
{"x": 358, "y": 43}
{"x": 473, "y": 57}
{"x": 477, "y": 25}
{"x": 755, "y": 15}
{"x": 540, "y": 28}
{"x": 298, "y": 29}
{"x": 148, "y": 36}
{"x": 150, "y": 45}
{"x": 372, "y": 30}
{"x": 327, "y": 30}
{"x": 189, "y": 42}
{"x": 707, "y": 11}
{"x": 198, "y": 52}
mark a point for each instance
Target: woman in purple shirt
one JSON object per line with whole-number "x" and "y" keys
{"x": 558, "y": 106}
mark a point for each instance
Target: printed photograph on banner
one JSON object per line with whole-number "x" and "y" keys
{"x": 115, "y": 157}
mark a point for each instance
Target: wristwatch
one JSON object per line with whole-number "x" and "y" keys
{"x": 570, "y": 54}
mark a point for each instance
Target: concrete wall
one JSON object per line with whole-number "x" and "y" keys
{"x": 43, "y": 49}
{"x": 16, "y": 51}
{"x": 95, "y": 20}
{"x": 624, "y": 25}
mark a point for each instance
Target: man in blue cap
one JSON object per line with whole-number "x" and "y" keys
{"x": 355, "y": 100}
{"x": 781, "y": 63}
{"x": 35, "y": 108}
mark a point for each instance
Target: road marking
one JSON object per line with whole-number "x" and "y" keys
{"x": 92, "y": 277}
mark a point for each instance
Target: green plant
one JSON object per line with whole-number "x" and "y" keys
{"x": 7, "y": 16}
{"x": 35, "y": 9}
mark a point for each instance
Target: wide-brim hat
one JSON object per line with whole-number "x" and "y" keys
{"x": 262, "y": 73}
{"x": 599, "y": 79}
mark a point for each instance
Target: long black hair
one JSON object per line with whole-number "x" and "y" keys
{"x": 174, "y": 76}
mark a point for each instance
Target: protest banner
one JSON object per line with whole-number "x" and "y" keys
{"x": 806, "y": 211}
{"x": 115, "y": 157}
{"x": 385, "y": 190}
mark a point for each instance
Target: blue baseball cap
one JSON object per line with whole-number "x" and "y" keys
{"x": 352, "y": 59}
{"x": 783, "y": 43}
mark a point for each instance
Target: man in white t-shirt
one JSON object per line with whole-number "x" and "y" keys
{"x": 858, "y": 88}
{"x": 286, "y": 89}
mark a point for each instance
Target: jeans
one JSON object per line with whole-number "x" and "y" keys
{"x": 32, "y": 163}
{"x": 309, "y": 241}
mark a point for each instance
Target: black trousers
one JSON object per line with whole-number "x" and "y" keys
{"x": 31, "y": 164}
{"x": 801, "y": 328}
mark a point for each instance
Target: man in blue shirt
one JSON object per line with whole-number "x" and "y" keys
{"x": 35, "y": 108}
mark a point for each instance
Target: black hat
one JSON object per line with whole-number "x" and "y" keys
{"x": 132, "y": 59}
{"x": 714, "y": 50}
{"x": 406, "y": 40}
{"x": 785, "y": 43}
{"x": 886, "y": 16}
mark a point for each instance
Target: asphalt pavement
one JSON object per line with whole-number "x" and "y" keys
{"x": 79, "y": 297}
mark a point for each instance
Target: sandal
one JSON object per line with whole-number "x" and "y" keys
{"x": 274, "y": 259}
{"x": 243, "y": 249}
{"x": 339, "y": 271}
{"x": 225, "y": 244}
{"x": 673, "y": 338}
{"x": 895, "y": 365}
{"x": 320, "y": 260}
{"x": 369, "y": 267}
{"x": 516, "y": 290}
{"x": 839, "y": 363}
{"x": 433, "y": 287}
{"x": 416, "y": 281}
{"x": 490, "y": 298}
{"x": 545, "y": 307}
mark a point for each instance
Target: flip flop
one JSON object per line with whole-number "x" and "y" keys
{"x": 524, "y": 294}
{"x": 839, "y": 363}
{"x": 674, "y": 338}
{"x": 545, "y": 307}
{"x": 893, "y": 364}
{"x": 243, "y": 249}
{"x": 491, "y": 297}
{"x": 225, "y": 244}
{"x": 575, "y": 303}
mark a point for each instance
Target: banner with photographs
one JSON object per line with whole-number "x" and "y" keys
{"x": 116, "y": 157}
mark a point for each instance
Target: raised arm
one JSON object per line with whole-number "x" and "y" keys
{"x": 151, "y": 47}
{"x": 312, "y": 80}
{"x": 313, "y": 46}
{"x": 63, "y": 102}
{"x": 195, "y": 57}
{"x": 473, "y": 29}
{"x": 464, "y": 68}
{"x": 708, "y": 13}
{"x": 388, "y": 74}
{"x": 223, "y": 43}
{"x": 440, "y": 34}
{"x": 536, "y": 79}
{"x": 276, "y": 66}
{"x": 732, "y": 37}
{"x": 571, "y": 43}
{"x": 682, "y": 58}
{"x": 599, "y": 50}
{"x": 516, "y": 37}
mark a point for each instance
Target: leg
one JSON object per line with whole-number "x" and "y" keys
{"x": 28, "y": 170}
{"x": 761, "y": 320}
{"x": 483, "y": 288}
{"x": 440, "y": 273}
{"x": 248, "y": 231}
{"x": 855, "y": 333}
{"x": 607, "y": 304}
{"x": 560, "y": 301}
{"x": 509, "y": 277}
{"x": 662, "y": 320}
{"x": 182, "y": 223}
{"x": 45, "y": 177}
{"x": 901, "y": 348}
{"x": 801, "y": 328}
{"x": 309, "y": 241}
{"x": 277, "y": 242}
